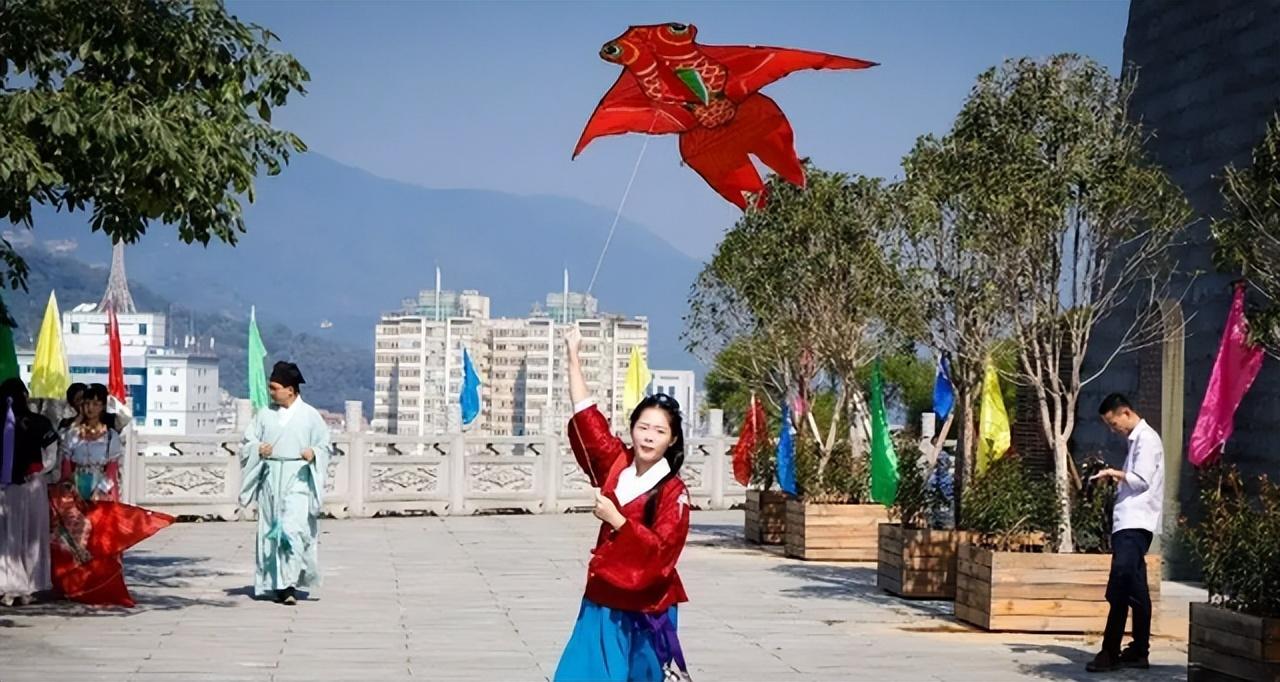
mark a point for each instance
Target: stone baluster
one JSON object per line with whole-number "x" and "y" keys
{"x": 356, "y": 451}
{"x": 718, "y": 448}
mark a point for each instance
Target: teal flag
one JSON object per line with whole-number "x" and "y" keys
{"x": 470, "y": 396}
{"x": 884, "y": 461}
{"x": 257, "y": 370}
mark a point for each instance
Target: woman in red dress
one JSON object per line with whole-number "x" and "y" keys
{"x": 91, "y": 527}
{"x": 626, "y": 627}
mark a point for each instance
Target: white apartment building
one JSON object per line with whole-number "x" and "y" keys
{"x": 683, "y": 386}
{"x": 418, "y": 364}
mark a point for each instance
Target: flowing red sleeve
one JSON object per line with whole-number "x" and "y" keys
{"x": 640, "y": 556}
{"x": 594, "y": 445}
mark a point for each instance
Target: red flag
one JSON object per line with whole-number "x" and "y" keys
{"x": 115, "y": 364}
{"x": 1235, "y": 369}
{"x": 753, "y": 427}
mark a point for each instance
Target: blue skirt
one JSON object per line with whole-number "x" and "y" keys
{"x": 608, "y": 645}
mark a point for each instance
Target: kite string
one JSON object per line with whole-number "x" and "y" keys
{"x": 626, "y": 193}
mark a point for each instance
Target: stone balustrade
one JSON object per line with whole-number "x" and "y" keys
{"x": 373, "y": 474}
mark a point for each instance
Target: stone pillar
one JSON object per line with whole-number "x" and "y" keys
{"x": 244, "y": 414}
{"x": 354, "y": 416}
{"x": 356, "y": 479}
{"x": 715, "y": 422}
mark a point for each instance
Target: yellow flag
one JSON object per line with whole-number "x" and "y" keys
{"x": 993, "y": 421}
{"x": 637, "y": 380}
{"x": 50, "y": 376}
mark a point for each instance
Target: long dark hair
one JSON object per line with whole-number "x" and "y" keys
{"x": 674, "y": 454}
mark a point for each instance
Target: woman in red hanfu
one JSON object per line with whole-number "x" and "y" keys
{"x": 91, "y": 527}
{"x": 626, "y": 627}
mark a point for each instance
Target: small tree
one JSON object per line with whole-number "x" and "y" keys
{"x": 1248, "y": 235}
{"x": 138, "y": 112}
{"x": 958, "y": 307}
{"x": 806, "y": 280}
{"x": 1082, "y": 221}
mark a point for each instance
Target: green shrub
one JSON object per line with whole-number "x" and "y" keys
{"x": 1010, "y": 507}
{"x": 1238, "y": 542}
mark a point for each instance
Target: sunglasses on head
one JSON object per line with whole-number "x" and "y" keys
{"x": 666, "y": 401}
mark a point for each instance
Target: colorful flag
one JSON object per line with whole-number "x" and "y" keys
{"x": 944, "y": 394}
{"x": 786, "y": 455}
{"x": 115, "y": 363}
{"x": 50, "y": 377}
{"x": 884, "y": 461}
{"x": 637, "y": 381}
{"x": 8, "y": 354}
{"x": 469, "y": 398}
{"x": 257, "y": 370}
{"x": 1234, "y": 370}
{"x": 994, "y": 436}
{"x": 749, "y": 437}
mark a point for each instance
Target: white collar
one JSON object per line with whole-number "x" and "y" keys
{"x": 630, "y": 486}
{"x": 1142, "y": 424}
{"x": 286, "y": 413}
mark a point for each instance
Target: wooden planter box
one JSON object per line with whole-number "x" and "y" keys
{"x": 833, "y": 532}
{"x": 1032, "y": 592}
{"x": 766, "y": 517}
{"x": 1229, "y": 645}
{"x": 919, "y": 564}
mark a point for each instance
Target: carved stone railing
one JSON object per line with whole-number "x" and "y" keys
{"x": 372, "y": 474}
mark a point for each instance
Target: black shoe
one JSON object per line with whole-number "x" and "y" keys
{"x": 1104, "y": 662}
{"x": 1132, "y": 658}
{"x": 288, "y": 598}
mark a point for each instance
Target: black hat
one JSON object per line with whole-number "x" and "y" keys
{"x": 287, "y": 374}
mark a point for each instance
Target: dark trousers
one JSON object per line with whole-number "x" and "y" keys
{"x": 1127, "y": 589}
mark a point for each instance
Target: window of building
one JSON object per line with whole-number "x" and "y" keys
{"x": 157, "y": 422}
{"x": 173, "y": 371}
{"x": 159, "y": 371}
{"x": 142, "y": 329}
{"x": 173, "y": 423}
{"x": 75, "y": 327}
{"x": 173, "y": 389}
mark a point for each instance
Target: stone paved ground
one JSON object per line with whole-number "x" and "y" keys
{"x": 493, "y": 598}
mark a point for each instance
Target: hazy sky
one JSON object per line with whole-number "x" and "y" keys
{"x": 494, "y": 94}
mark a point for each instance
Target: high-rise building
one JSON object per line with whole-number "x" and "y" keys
{"x": 171, "y": 389}
{"x": 681, "y": 385}
{"x": 418, "y": 364}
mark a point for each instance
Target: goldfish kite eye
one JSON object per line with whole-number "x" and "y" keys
{"x": 611, "y": 51}
{"x": 678, "y": 29}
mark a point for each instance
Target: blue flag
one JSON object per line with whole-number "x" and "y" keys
{"x": 470, "y": 396}
{"x": 944, "y": 395}
{"x": 786, "y": 455}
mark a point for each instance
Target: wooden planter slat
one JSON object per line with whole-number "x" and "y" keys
{"x": 833, "y": 532}
{"x": 766, "y": 517}
{"x": 1038, "y": 592}
{"x": 1227, "y": 644}
{"x": 917, "y": 563}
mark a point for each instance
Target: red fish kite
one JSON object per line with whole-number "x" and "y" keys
{"x": 707, "y": 94}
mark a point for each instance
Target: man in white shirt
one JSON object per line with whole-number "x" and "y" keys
{"x": 1134, "y": 523}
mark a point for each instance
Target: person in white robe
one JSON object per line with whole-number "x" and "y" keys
{"x": 285, "y": 458}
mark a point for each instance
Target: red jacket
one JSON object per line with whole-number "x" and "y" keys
{"x": 634, "y": 567}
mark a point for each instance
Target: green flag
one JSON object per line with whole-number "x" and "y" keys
{"x": 257, "y": 371}
{"x": 8, "y": 354}
{"x": 884, "y": 461}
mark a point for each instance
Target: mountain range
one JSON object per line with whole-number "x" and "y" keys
{"x": 328, "y": 242}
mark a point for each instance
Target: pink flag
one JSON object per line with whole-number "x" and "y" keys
{"x": 1235, "y": 369}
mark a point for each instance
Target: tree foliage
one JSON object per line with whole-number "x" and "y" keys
{"x": 1083, "y": 223}
{"x": 138, "y": 111}
{"x": 1248, "y": 235}
{"x": 805, "y": 285}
